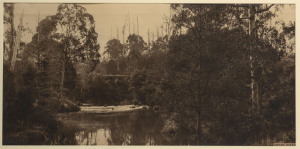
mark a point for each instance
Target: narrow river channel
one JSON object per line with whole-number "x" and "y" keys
{"x": 137, "y": 127}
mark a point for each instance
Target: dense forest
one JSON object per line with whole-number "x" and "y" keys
{"x": 221, "y": 74}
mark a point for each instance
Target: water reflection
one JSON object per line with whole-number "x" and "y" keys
{"x": 129, "y": 128}
{"x": 98, "y": 137}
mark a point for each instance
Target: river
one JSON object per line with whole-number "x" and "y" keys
{"x": 139, "y": 127}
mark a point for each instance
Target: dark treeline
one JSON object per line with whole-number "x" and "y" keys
{"x": 222, "y": 74}
{"x": 43, "y": 77}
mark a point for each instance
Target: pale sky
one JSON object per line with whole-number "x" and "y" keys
{"x": 109, "y": 17}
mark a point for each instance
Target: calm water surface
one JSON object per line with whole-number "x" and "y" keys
{"x": 141, "y": 127}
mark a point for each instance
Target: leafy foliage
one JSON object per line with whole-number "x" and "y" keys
{"x": 199, "y": 77}
{"x": 114, "y": 48}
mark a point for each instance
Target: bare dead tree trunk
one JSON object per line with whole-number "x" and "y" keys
{"x": 129, "y": 23}
{"x": 16, "y": 45}
{"x": 63, "y": 68}
{"x": 256, "y": 101}
{"x": 12, "y": 32}
{"x": 254, "y": 85}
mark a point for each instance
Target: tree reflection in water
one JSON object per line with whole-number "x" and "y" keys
{"x": 129, "y": 128}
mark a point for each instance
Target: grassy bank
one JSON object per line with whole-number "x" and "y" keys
{"x": 38, "y": 129}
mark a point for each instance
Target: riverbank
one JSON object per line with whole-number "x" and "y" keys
{"x": 37, "y": 128}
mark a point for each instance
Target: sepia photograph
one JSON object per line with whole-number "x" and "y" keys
{"x": 148, "y": 74}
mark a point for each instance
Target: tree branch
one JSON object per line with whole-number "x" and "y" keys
{"x": 240, "y": 19}
{"x": 264, "y": 10}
